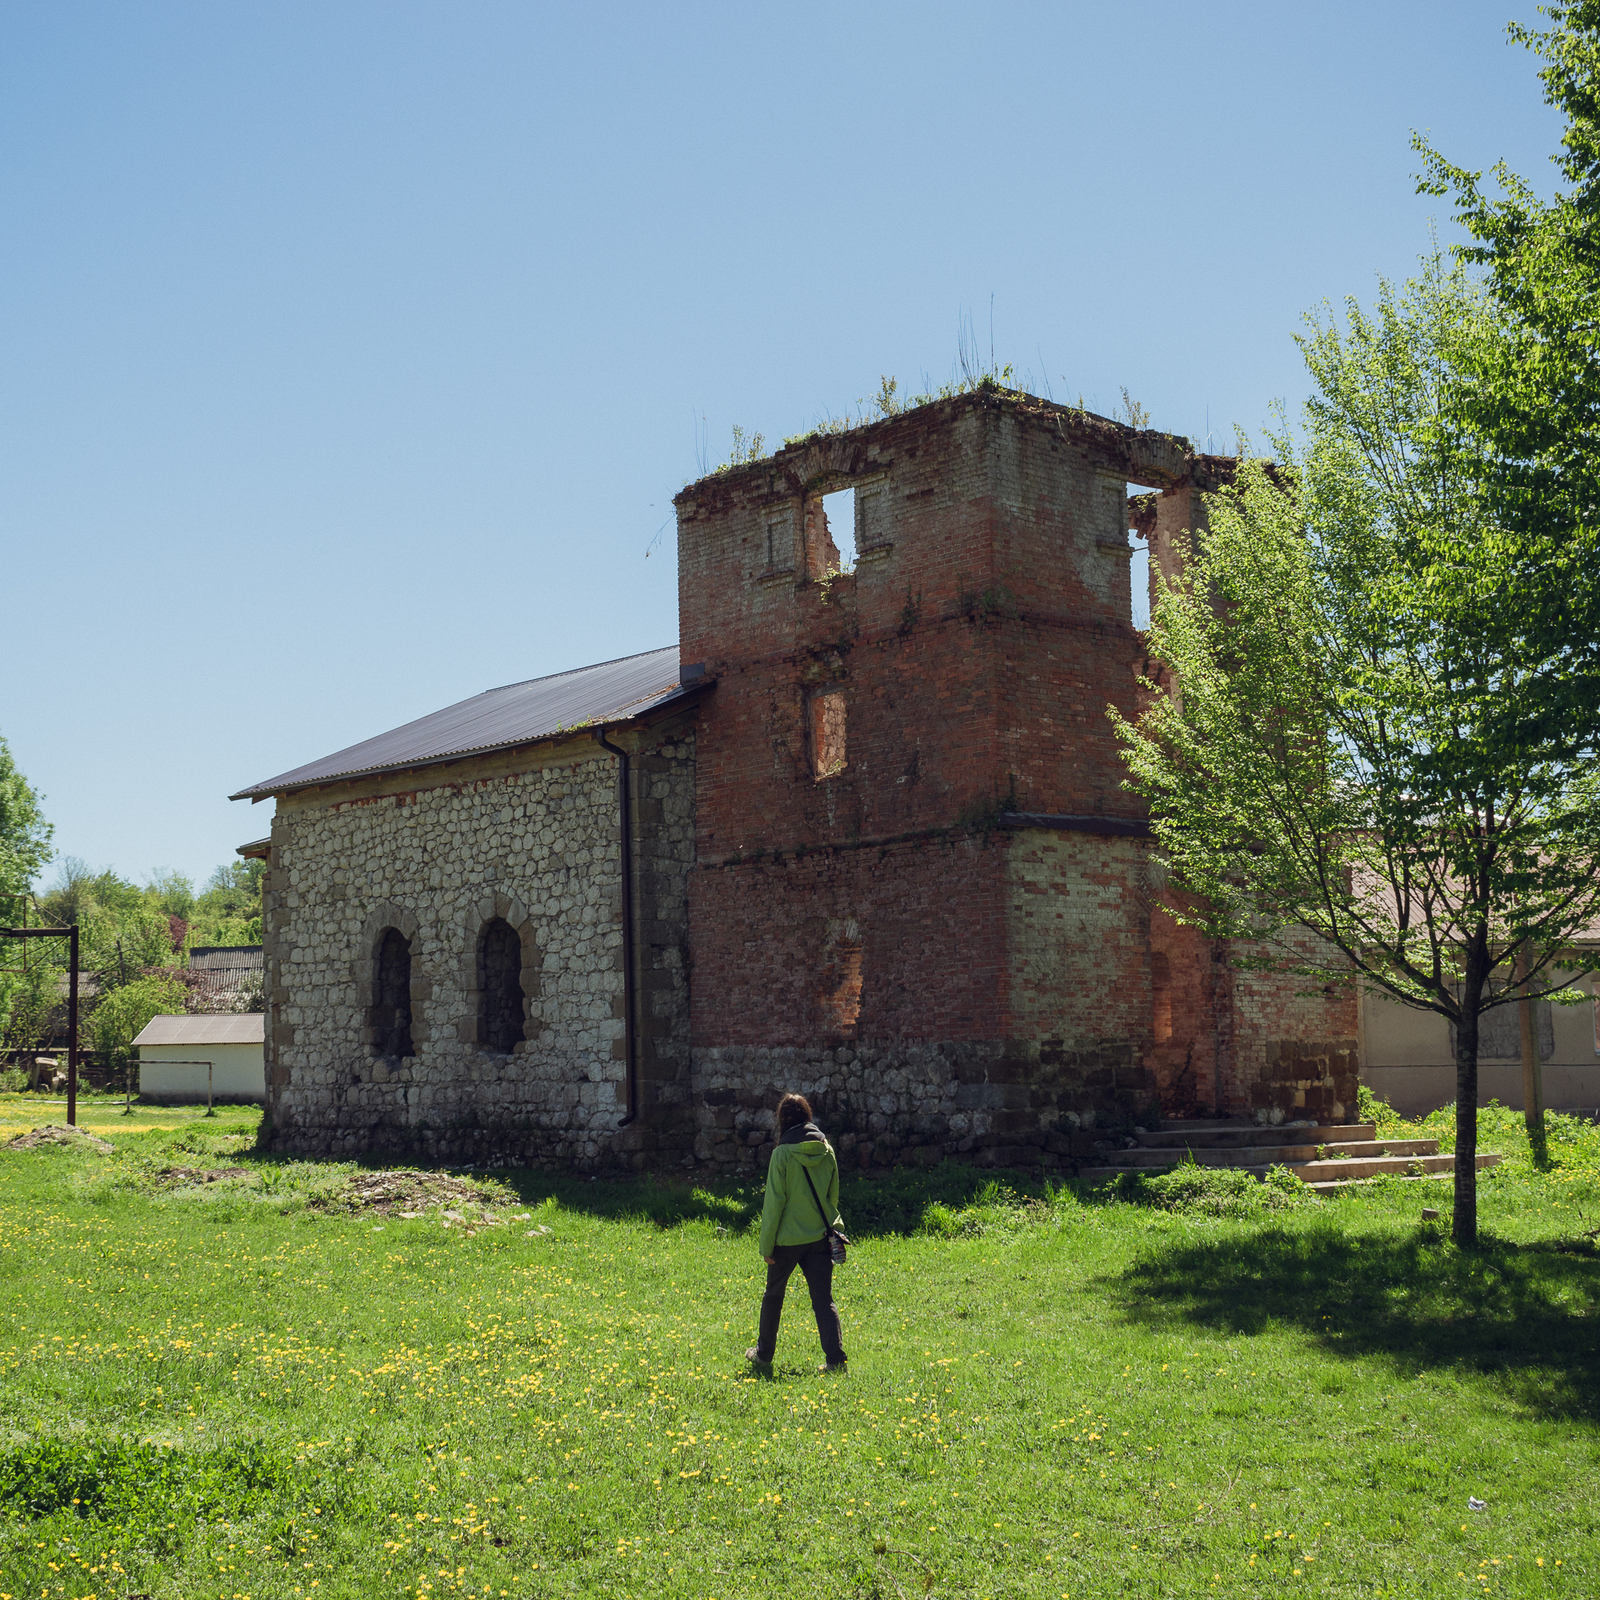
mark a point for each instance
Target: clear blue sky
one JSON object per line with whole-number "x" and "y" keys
{"x": 353, "y": 353}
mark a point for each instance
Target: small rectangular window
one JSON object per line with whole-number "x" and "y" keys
{"x": 827, "y": 733}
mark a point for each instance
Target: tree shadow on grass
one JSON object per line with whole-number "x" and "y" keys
{"x": 1527, "y": 1316}
{"x": 885, "y": 1202}
{"x": 893, "y": 1202}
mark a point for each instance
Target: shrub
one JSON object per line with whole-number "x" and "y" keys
{"x": 1213, "y": 1191}
{"x": 1370, "y": 1108}
{"x": 996, "y": 1208}
{"x": 121, "y": 1014}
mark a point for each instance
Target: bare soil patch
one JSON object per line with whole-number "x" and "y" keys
{"x": 408, "y": 1193}
{"x": 55, "y": 1133}
{"x": 197, "y": 1175}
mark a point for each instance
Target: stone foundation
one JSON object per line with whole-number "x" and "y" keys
{"x": 895, "y": 1103}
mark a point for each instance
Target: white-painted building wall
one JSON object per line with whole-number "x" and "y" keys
{"x": 1408, "y": 1056}
{"x": 169, "y": 1072}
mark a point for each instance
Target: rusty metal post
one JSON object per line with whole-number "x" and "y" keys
{"x": 72, "y": 1029}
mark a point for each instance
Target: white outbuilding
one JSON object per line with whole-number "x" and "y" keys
{"x": 177, "y": 1056}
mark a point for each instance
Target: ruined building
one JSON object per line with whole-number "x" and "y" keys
{"x": 862, "y": 835}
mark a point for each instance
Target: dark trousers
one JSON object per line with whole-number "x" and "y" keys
{"x": 816, "y": 1262}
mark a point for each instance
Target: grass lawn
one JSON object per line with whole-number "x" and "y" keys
{"x": 259, "y": 1386}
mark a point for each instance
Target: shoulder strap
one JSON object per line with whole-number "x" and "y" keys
{"x": 827, "y": 1227}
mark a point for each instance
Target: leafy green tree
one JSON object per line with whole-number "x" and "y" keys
{"x": 24, "y": 850}
{"x": 1526, "y": 412}
{"x": 77, "y": 891}
{"x": 120, "y": 1015}
{"x": 171, "y": 893}
{"x": 33, "y": 1003}
{"x": 228, "y": 909}
{"x": 121, "y": 930}
{"x": 123, "y": 939}
{"x": 1334, "y": 780}
{"x": 24, "y": 833}
{"x": 234, "y": 888}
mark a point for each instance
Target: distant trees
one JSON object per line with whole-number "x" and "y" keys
{"x": 228, "y": 909}
{"x": 24, "y": 834}
{"x": 24, "y": 850}
{"x": 133, "y": 939}
{"x": 118, "y": 1016}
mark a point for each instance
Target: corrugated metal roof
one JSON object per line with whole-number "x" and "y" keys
{"x": 227, "y": 957}
{"x": 246, "y": 1028}
{"x": 520, "y": 713}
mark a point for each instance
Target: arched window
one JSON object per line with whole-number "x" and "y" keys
{"x": 500, "y": 997}
{"x": 391, "y": 1010}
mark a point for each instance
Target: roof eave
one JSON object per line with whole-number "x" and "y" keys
{"x": 673, "y": 697}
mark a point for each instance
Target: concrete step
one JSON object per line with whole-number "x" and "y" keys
{"x": 1375, "y": 1166}
{"x": 1326, "y": 1185}
{"x": 1322, "y": 1173}
{"x": 1245, "y": 1156}
{"x": 1198, "y": 1136}
{"x": 1383, "y": 1147}
{"x": 1263, "y": 1153}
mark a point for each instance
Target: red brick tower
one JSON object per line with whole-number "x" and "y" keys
{"x": 921, "y": 892}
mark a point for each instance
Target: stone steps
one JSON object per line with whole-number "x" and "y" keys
{"x": 1245, "y": 1156}
{"x": 1327, "y": 1156}
{"x": 1233, "y": 1135}
{"x": 1323, "y": 1174}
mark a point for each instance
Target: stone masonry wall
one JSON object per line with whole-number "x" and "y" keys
{"x": 438, "y": 859}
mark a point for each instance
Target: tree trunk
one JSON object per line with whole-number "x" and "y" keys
{"x": 1532, "y": 1070}
{"x": 1464, "y": 1219}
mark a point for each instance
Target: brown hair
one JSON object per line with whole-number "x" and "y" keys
{"x": 794, "y": 1110}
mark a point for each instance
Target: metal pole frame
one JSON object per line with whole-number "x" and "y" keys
{"x": 70, "y": 934}
{"x": 72, "y": 1032}
{"x": 208, "y": 1065}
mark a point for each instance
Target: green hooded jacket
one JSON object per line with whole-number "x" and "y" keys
{"x": 790, "y": 1215}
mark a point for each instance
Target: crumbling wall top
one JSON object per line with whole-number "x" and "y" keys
{"x": 1142, "y": 455}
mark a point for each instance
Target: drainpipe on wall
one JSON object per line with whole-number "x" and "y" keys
{"x": 625, "y": 815}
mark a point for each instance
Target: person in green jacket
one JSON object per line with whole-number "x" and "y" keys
{"x": 794, "y": 1230}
